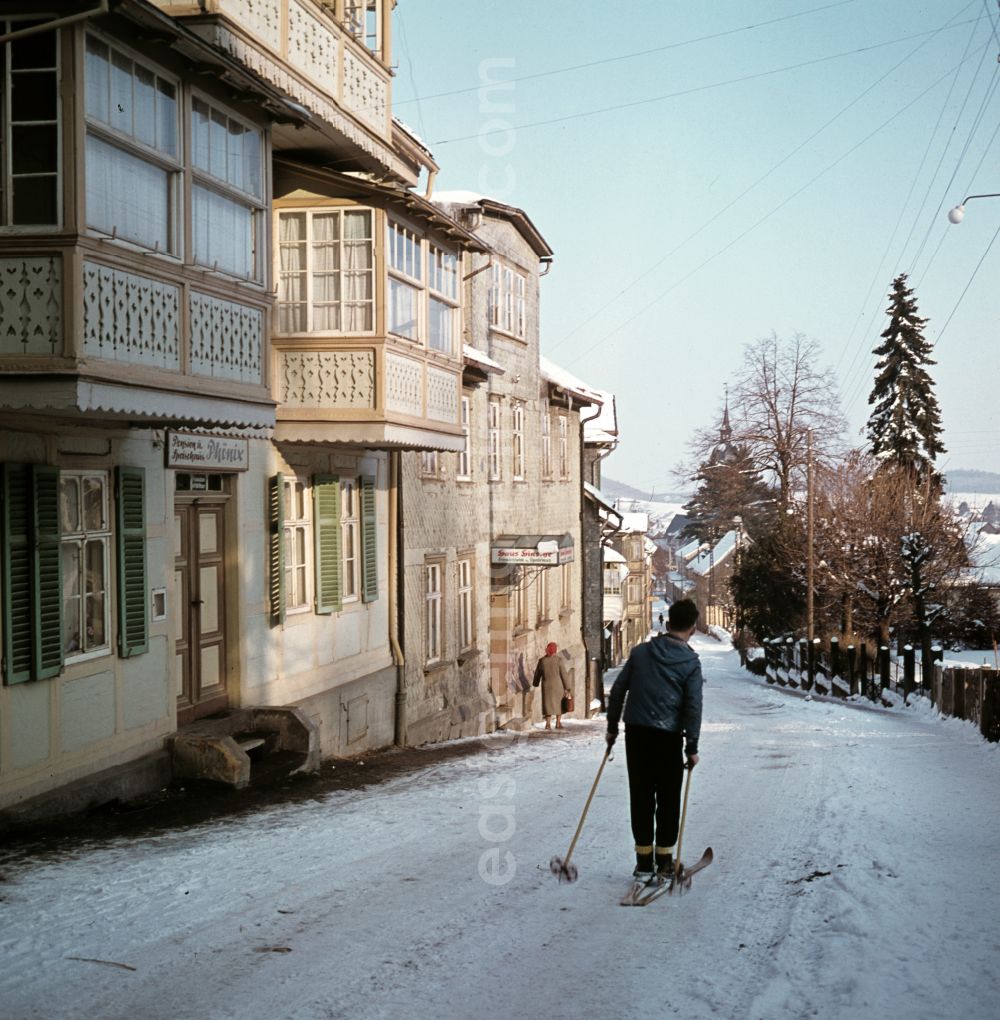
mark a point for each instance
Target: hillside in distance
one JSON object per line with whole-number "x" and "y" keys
{"x": 985, "y": 482}
{"x": 620, "y": 490}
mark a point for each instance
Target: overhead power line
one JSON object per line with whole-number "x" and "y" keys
{"x": 627, "y": 56}
{"x": 638, "y": 279}
{"x": 506, "y": 129}
{"x": 768, "y": 215}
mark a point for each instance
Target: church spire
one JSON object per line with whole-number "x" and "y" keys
{"x": 726, "y": 432}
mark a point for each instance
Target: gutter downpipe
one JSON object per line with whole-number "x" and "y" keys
{"x": 396, "y": 609}
{"x": 47, "y": 26}
{"x": 591, "y": 681}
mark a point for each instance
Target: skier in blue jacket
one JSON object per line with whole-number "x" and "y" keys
{"x": 660, "y": 687}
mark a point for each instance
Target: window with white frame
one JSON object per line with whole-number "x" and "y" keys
{"x": 517, "y": 437}
{"x": 29, "y": 128}
{"x": 406, "y": 276}
{"x": 298, "y": 540}
{"x": 363, "y": 19}
{"x": 442, "y": 299}
{"x": 563, "y": 446}
{"x": 466, "y": 619}
{"x": 542, "y": 597}
{"x": 612, "y": 579}
{"x": 85, "y": 525}
{"x": 566, "y": 586}
{"x": 635, "y": 548}
{"x": 464, "y": 457}
{"x": 507, "y": 300}
{"x": 429, "y": 463}
{"x": 227, "y": 191}
{"x": 493, "y": 434}
{"x": 546, "y": 443}
{"x": 133, "y": 161}
{"x": 634, "y": 590}
{"x": 432, "y": 610}
{"x": 423, "y": 290}
{"x": 326, "y": 271}
{"x": 351, "y": 582}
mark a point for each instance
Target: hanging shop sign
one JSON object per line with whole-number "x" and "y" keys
{"x": 198, "y": 452}
{"x": 532, "y": 550}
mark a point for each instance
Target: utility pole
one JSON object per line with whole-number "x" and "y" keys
{"x": 809, "y": 536}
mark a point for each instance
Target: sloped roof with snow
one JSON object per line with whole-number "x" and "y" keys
{"x": 712, "y": 557}
{"x": 478, "y": 357}
{"x": 635, "y": 522}
{"x": 558, "y": 376}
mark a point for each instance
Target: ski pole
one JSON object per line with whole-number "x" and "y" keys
{"x": 678, "y": 867}
{"x": 561, "y": 866}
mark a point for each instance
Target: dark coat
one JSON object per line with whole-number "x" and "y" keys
{"x": 663, "y": 681}
{"x": 554, "y": 677}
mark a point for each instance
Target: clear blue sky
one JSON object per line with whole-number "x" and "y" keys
{"x": 767, "y": 167}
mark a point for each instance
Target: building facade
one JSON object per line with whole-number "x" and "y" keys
{"x": 213, "y": 350}
{"x": 280, "y": 464}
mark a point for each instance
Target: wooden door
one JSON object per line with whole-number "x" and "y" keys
{"x": 199, "y": 608}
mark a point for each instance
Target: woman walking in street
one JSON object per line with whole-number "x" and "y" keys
{"x": 553, "y": 676}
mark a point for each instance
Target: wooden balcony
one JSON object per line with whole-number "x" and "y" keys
{"x": 300, "y": 47}
{"x": 94, "y": 333}
{"x": 375, "y": 392}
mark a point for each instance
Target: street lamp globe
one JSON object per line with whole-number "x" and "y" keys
{"x": 957, "y": 214}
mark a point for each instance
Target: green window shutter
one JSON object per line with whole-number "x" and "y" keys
{"x": 130, "y": 538}
{"x": 47, "y": 651}
{"x": 369, "y": 541}
{"x": 327, "y": 528}
{"x": 17, "y": 573}
{"x": 276, "y": 547}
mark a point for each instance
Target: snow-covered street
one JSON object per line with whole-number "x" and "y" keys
{"x": 855, "y": 877}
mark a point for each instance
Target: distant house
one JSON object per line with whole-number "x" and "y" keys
{"x": 703, "y": 573}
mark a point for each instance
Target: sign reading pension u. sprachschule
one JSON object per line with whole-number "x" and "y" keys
{"x": 207, "y": 453}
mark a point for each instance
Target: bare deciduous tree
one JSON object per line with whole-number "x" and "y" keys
{"x": 783, "y": 395}
{"x": 780, "y": 395}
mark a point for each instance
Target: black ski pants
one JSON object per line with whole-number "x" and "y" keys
{"x": 655, "y": 761}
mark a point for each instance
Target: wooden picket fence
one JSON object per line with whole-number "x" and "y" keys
{"x": 966, "y": 692}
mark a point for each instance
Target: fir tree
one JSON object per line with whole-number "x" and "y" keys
{"x": 904, "y": 426}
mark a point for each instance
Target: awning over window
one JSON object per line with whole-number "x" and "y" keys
{"x": 532, "y": 550}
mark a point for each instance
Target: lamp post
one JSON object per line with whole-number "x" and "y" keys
{"x": 957, "y": 214}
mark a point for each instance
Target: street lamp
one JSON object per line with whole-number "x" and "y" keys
{"x": 957, "y": 214}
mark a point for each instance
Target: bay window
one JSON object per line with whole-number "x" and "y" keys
{"x": 326, "y": 271}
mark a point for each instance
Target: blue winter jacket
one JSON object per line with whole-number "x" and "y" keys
{"x": 663, "y": 681}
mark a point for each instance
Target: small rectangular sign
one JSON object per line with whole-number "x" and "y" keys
{"x": 207, "y": 453}
{"x": 531, "y": 557}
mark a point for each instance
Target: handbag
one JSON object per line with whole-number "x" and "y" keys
{"x": 567, "y": 703}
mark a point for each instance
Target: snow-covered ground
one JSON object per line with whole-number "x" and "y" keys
{"x": 855, "y": 877}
